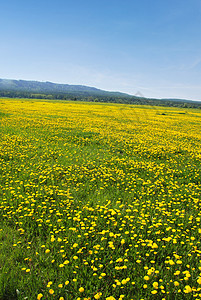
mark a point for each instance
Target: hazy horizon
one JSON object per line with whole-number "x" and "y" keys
{"x": 127, "y": 46}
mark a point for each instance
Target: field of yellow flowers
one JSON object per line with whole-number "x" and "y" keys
{"x": 99, "y": 201}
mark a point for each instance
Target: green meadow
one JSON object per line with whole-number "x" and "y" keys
{"x": 99, "y": 201}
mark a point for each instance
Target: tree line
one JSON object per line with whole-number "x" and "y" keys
{"x": 86, "y": 97}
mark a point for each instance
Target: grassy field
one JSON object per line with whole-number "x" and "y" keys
{"x": 99, "y": 201}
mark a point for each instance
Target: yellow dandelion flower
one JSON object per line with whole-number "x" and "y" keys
{"x": 179, "y": 262}
{"x": 124, "y": 281}
{"x": 155, "y": 285}
{"x": 199, "y": 280}
{"x": 66, "y": 262}
{"x": 98, "y": 295}
{"x": 187, "y": 289}
{"x": 146, "y": 277}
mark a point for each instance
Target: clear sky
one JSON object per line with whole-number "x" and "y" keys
{"x": 153, "y": 47}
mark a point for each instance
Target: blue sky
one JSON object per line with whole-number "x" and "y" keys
{"x": 153, "y": 47}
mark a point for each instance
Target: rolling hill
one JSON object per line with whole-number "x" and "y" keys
{"x": 49, "y": 87}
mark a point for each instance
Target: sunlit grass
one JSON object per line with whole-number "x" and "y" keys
{"x": 99, "y": 201}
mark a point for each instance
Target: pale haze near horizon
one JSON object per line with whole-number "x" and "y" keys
{"x": 151, "y": 47}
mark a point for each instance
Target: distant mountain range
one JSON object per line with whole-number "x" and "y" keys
{"x": 11, "y": 88}
{"x": 49, "y": 87}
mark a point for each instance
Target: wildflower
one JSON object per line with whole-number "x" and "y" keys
{"x": 98, "y": 295}
{"x": 177, "y": 273}
{"x": 51, "y": 291}
{"x": 52, "y": 239}
{"x": 154, "y": 246}
{"x": 187, "y": 289}
{"x": 179, "y": 262}
{"x": 199, "y": 280}
{"x": 39, "y": 296}
{"x": 146, "y": 277}
{"x": 81, "y": 289}
{"x": 124, "y": 281}
{"x": 155, "y": 285}
{"x": 66, "y": 262}
{"x": 49, "y": 284}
